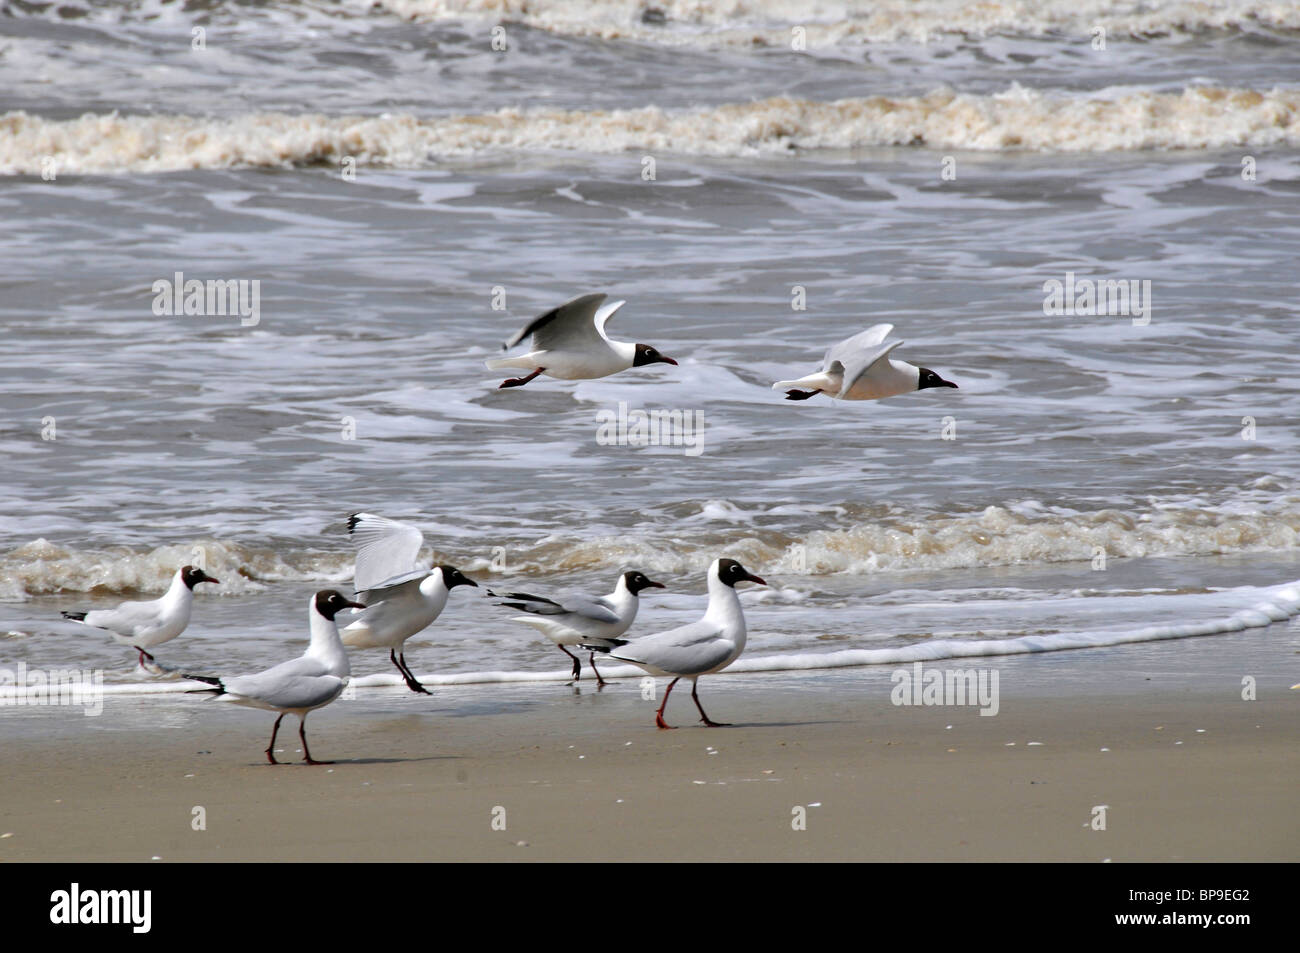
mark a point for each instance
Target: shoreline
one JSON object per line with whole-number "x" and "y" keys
{"x": 1193, "y": 771}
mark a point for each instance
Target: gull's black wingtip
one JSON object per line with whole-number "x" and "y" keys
{"x": 610, "y": 645}
{"x": 209, "y": 679}
{"x": 74, "y": 616}
{"x": 353, "y": 520}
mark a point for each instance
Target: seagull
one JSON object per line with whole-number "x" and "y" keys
{"x": 861, "y": 369}
{"x": 578, "y": 620}
{"x": 400, "y": 597}
{"x": 700, "y": 648}
{"x": 143, "y": 625}
{"x": 570, "y": 344}
{"x": 302, "y": 685}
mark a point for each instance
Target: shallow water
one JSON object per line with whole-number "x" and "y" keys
{"x": 1169, "y": 448}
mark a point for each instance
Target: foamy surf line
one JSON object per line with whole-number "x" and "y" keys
{"x": 1201, "y": 117}
{"x": 1279, "y": 604}
{"x": 861, "y": 544}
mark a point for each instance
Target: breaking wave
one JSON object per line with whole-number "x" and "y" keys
{"x": 1201, "y": 117}
{"x": 865, "y": 542}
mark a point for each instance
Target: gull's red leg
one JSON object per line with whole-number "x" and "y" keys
{"x": 591, "y": 660}
{"x": 520, "y": 381}
{"x": 659, "y": 715}
{"x": 577, "y": 665}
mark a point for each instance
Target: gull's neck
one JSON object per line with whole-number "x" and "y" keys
{"x": 178, "y": 593}
{"x": 434, "y": 590}
{"x": 326, "y": 646}
{"x": 625, "y": 350}
{"x": 907, "y": 375}
{"x": 724, "y": 607}
{"x": 625, "y": 601}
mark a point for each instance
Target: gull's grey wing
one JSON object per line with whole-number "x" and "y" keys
{"x": 526, "y": 602}
{"x": 860, "y": 364}
{"x": 386, "y": 551}
{"x": 286, "y": 690}
{"x": 386, "y": 606}
{"x": 861, "y": 341}
{"x": 128, "y": 618}
{"x": 596, "y": 610}
{"x": 686, "y": 650}
{"x": 395, "y": 594}
{"x": 571, "y": 324}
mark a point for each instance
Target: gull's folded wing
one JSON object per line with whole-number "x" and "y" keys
{"x": 692, "y": 648}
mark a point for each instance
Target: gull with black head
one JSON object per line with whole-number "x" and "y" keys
{"x": 701, "y": 648}
{"x": 301, "y": 685}
{"x": 575, "y": 619}
{"x": 399, "y": 596}
{"x": 570, "y": 344}
{"x": 144, "y": 625}
{"x": 860, "y": 368}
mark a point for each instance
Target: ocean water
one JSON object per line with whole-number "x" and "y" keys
{"x": 757, "y": 180}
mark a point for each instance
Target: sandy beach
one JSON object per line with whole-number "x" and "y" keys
{"x": 1186, "y": 770}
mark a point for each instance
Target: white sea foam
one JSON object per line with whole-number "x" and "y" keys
{"x": 868, "y": 542}
{"x": 41, "y": 567}
{"x": 1202, "y": 117}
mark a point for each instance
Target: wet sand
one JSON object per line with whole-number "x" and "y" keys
{"x": 585, "y": 776}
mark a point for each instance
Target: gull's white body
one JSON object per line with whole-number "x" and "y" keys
{"x": 580, "y": 619}
{"x": 701, "y": 648}
{"x": 395, "y": 614}
{"x": 573, "y": 345}
{"x": 401, "y": 596}
{"x": 304, "y": 684}
{"x": 860, "y": 368}
{"x": 146, "y": 624}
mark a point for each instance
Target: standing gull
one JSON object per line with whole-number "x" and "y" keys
{"x": 400, "y": 597}
{"x": 143, "y": 625}
{"x": 860, "y": 368}
{"x": 569, "y": 343}
{"x": 700, "y": 648}
{"x": 581, "y": 620}
{"x": 302, "y": 685}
